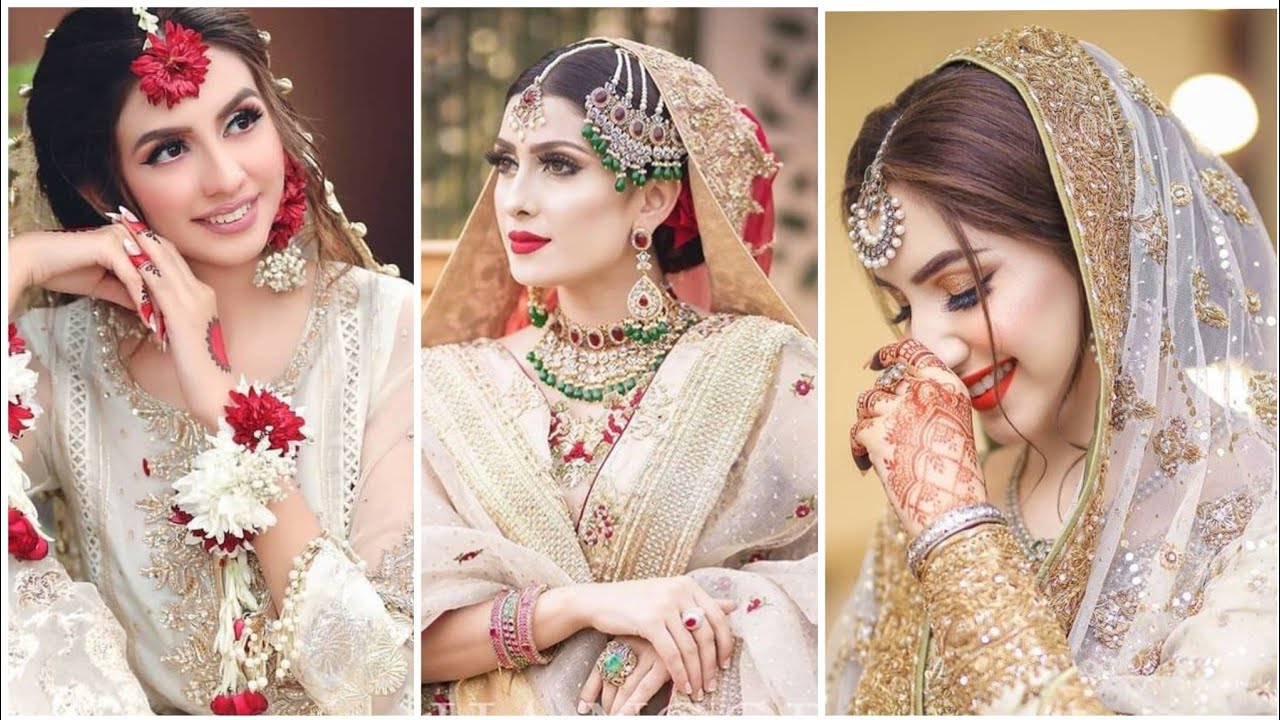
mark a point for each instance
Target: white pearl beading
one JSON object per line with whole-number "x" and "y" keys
{"x": 282, "y": 632}
{"x": 876, "y": 219}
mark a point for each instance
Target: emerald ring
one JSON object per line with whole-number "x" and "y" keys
{"x": 616, "y": 662}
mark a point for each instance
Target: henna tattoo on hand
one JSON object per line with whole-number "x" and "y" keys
{"x": 217, "y": 349}
{"x": 910, "y": 351}
{"x": 149, "y": 267}
{"x": 934, "y": 467}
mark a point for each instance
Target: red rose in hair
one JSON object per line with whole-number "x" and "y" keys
{"x": 172, "y": 67}
{"x": 293, "y": 205}
{"x": 25, "y": 543}
{"x": 257, "y": 412}
{"x": 17, "y": 345}
{"x": 20, "y": 417}
{"x": 245, "y": 702}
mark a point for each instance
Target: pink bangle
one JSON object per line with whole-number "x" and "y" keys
{"x": 510, "y": 603}
{"x": 496, "y": 633}
{"x": 524, "y": 626}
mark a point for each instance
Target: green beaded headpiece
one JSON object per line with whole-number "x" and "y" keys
{"x": 636, "y": 145}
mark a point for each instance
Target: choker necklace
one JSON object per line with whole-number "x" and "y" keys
{"x": 1036, "y": 549}
{"x": 596, "y": 363}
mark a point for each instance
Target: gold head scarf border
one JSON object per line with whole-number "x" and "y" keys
{"x": 476, "y": 293}
{"x": 1091, "y": 112}
{"x": 1086, "y": 140}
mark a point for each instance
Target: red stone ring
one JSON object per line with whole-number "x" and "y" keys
{"x": 693, "y": 618}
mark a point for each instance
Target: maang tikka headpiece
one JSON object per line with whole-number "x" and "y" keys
{"x": 875, "y": 222}
{"x": 632, "y": 143}
{"x": 527, "y": 113}
{"x": 636, "y": 145}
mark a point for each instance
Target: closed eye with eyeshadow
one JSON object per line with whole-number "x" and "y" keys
{"x": 962, "y": 293}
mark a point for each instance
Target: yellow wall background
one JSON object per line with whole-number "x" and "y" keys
{"x": 870, "y": 57}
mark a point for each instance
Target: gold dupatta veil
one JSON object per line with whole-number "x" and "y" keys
{"x": 476, "y": 293}
{"x": 1163, "y": 579}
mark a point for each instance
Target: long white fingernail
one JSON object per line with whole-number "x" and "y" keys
{"x": 124, "y": 211}
{"x": 131, "y": 247}
{"x": 113, "y": 217}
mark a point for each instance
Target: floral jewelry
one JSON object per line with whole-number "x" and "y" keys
{"x": 223, "y": 504}
{"x": 876, "y": 247}
{"x": 527, "y": 114}
{"x": 26, "y": 541}
{"x": 173, "y": 64}
{"x": 284, "y": 268}
{"x": 635, "y": 145}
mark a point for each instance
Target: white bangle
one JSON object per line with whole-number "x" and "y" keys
{"x": 951, "y": 522}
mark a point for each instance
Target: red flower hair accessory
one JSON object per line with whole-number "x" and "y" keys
{"x": 293, "y": 205}
{"x": 171, "y": 66}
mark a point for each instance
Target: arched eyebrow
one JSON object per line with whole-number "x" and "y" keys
{"x": 166, "y": 132}
{"x": 936, "y": 264}
{"x": 538, "y": 148}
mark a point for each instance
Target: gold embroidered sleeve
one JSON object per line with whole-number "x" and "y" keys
{"x": 1002, "y": 649}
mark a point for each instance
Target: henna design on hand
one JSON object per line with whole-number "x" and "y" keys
{"x": 217, "y": 349}
{"x": 934, "y": 467}
{"x": 910, "y": 351}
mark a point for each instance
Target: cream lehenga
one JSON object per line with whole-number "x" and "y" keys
{"x": 713, "y": 475}
{"x": 121, "y": 619}
{"x": 1159, "y": 595}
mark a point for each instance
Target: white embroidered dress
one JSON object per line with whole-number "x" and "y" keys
{"x": 105, "y": 454}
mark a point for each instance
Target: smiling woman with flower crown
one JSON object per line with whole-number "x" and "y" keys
{"x": 226, "y": 425}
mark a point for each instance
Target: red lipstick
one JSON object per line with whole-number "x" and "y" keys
{"x": 992, "y": 385}
{"x": 523, "y": 242}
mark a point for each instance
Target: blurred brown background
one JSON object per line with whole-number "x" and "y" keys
{"x": 870, "y": 58}
{"x": 352, "y": 72}
{"x": 764, "y": 58}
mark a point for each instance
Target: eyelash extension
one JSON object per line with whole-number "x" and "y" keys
{"x": 571, "y": 166}
{"x": 495, "y": 158}
{"x": 903, "y": 315}
{"x": 969, "y": 298}
{"x": 153, "y": 157}
{"x": 253, "y": 114}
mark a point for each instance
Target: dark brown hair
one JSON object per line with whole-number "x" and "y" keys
{"x": 572, "y": 79}
{"x": 80, "y": 86}
{"x": 965, "y": 140}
